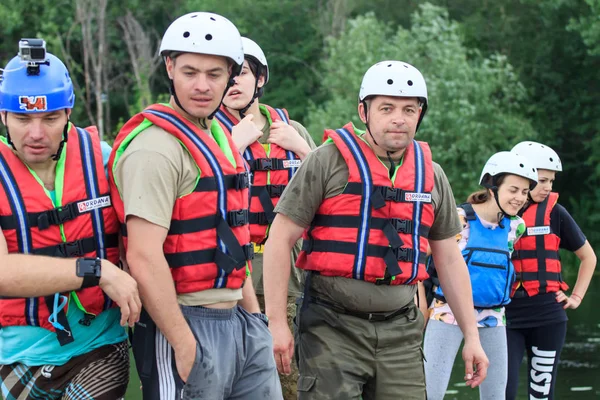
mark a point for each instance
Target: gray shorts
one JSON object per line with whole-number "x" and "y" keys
{"x": 234, "y": 358}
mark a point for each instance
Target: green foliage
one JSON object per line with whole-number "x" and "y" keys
{"x": 475, "y": 103}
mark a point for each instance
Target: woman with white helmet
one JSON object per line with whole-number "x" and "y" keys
{"x": 536, "y": 318}
{"x": 274, "y": 146}
{"x": 182, "y": 189}
{"x": 491, "y": 227}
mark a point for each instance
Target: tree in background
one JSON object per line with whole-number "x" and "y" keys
{"x": 475, "y": 102}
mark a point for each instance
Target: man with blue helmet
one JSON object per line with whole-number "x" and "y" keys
{"x": 60, "y": 288}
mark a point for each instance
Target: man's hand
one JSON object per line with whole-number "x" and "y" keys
{"x": 185, "y": 355}
{"x": 123, "y": 290}
{"x": 283, "y": 345}
{"x": 245, "y": 133}
{"x": 476, "y": 362}
{"x": 287, "y": 137}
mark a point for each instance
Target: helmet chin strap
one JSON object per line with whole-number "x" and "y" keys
{"x": 389, "y": 153}
{"x": 254, "y": 97}
{"x": 56, "y": 156}
{"x": 502, "y": 213}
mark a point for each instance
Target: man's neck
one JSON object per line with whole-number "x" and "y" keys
{"x": 46, "y": 171}
{"x": 198, "y": 122}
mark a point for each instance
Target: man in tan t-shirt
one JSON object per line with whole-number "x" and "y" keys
{"x": 357, "y": 338}
{"x": 183, "y": 192}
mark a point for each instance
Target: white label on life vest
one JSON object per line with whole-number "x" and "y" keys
{"x": 538, "y": 230}
{"x": 417, "y": 197}
{"x": 292, "y": 163}
{"x": 89, "y": 205}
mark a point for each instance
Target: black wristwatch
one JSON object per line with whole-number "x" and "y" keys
{"x": 90, "y": 269}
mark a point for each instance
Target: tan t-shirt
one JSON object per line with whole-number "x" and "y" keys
{"x": 152, "y": 173}
{"x": 296, "y": 277}
{"x": 324, "y": 174}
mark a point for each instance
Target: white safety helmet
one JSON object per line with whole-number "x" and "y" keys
{"x": 204, "y": 33}
{"x": 542, "y": 156}
{"x": 252, "y": 49}
{"x": 507, "y": 162}
{"x": 396, "y": 79}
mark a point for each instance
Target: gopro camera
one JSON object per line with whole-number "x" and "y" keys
{"x": 32, "y": 50}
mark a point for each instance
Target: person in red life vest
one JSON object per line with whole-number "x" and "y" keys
{"x": 274, "y": 146}
{"x": 182, "y": 189}
{"x": 536, "y": 319}
{"x": 491, "y": 228}
{"x": 60, "y": 288}
{"x": 367, "y": 205}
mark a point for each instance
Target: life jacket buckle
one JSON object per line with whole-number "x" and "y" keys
{"x": 242, "y": 181}
{"x": 392, "y": 194}
{"x": 237, "y": 217}
{"x": 265, "y": 164}
{"x": 249, "y": 251}
{"x": 404, "y": 254}
{"x": 402, "y": 225}
{"x": 275, "y": 190}
{"x": 71, "y": 249}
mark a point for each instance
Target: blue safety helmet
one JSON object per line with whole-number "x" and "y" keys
{"x": 49, "y": 90}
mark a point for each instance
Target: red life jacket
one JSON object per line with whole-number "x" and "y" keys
{"x": 32, "y": 225}
{"x": 536, "y": 258}
{"x": 375, "y": 230}
{"x": 270, "y": 173}
{"x": 208, "y": 243}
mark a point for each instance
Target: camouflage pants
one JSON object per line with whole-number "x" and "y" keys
{"x": 288, "y": 382}
{"x": 344, "y": 357}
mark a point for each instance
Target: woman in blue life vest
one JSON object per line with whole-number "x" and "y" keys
{"x": 490, "y": 229}
{"x": 536, "y": 319}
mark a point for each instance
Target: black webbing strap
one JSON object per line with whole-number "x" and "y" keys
{"x": 234, "y": 181}
{"x": 272, "y": 190}
{"x": 533, "y": 254}
{"x": 196, "y": 257}
{"x": 266, "y": 164}
{"x": 267, "y": 205}
{"x": 389, "y": 254}
{"x": 43, "y": 220}
{"x": 64, "y": 336}
{"x": 234, "y": 218}
{"x": 77, "y": 248}
{"x": 346, "y": 221}
{"x": 469, "y": 212}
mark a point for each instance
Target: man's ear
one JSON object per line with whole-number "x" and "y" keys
{"x": 170, "y": 65}
{"x": 361, "y": 112}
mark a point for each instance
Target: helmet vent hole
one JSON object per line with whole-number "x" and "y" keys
{"x": 389, "y": 65}
{"x": 208, "y": 37}
{"x": 194, "y": 16}
{"x": 551, "y": 160}
{"x": 390, "y": 81}
{"x": 212, "y": 19}
{"x": 533, "y": 169}
{"x": 410, "y": 83}
{"x": 521, "y": 165}
{"x": 186, "y": 34}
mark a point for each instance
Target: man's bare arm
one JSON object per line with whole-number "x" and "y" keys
{"x": 249, "y": 300}
{"x": 149, "y": 267}
{"x": 25, "y": 275}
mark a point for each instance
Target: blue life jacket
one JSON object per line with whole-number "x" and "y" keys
{"x": 488, "y": 259}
